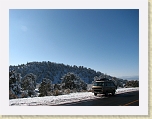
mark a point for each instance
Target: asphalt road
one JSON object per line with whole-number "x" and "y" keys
{"x": 123, "y": 99}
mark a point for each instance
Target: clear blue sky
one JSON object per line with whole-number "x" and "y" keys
{"x": 103, "y": 40}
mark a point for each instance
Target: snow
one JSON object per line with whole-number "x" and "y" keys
{"x": 61, "y": 99}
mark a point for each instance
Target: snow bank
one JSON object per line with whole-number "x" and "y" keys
{"x": 123, "y": 90}
{"x": 61, "y": 99}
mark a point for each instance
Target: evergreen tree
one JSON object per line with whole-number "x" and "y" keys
{"x": 72, "y": 81}
{"x": 29, "y": 83}
{"x": 14, "y": 84}
{"x": 45, "y": 87}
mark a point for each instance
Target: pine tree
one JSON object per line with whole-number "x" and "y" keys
{"x": 29, "y": 83}
{"x": 45, "y": 87}
{"x": 14, "y": 84}
{"x": 72, "y": 81}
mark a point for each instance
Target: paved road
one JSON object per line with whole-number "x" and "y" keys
{"x": 124, "y": 99}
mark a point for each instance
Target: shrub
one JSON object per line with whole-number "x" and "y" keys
{"x": 57, "y": 92}
{"x": 24, "y": 94}
{"x": 14, "y": 84}
{"x": 29, "y": 83}
{"x": 12, "y": 95}
{"x": 67, "y": 91}
{"x": 45, "y": 87}
{"x": 72, "y": 81}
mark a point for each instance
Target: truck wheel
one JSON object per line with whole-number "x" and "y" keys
{"x": 106, "y": 93}
{"x": 95, "y": 94}
{"x": 113, "y": 93}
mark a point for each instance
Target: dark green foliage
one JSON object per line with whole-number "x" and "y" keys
{"x": 29, "y": 83}
{"x": 72, "y": 81}
{"x": 54, "y": 71}
{"x": 45, "y": 87}
{"x": 57, "y": 87}
{"x": 14, "y": 84}
{"x": 132, "y": 84}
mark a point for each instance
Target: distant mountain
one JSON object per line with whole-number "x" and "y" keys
{"x": 130, "y": 77}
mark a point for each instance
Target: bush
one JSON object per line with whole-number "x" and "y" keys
{"x": 12, "y": 95}
{"x": 67, "y": 91}
{"x": 132, "y": 84}
{"x": 45, "y": 87}
{"x": 57, "y": 92}
{"x": 72, "y": 81}
{"x": 29, "y": 83}
{"x": 24, "y": 94}
{"x": 14, "y": 84}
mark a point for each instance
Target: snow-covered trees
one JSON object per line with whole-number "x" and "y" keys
{"x": 21, "y": 87}
{"x": 73, "y": 82}
{"x": 39, "y": 72}
{"x": 54, "y": 71}
{"x": 14, "y": 84}
{"x": 29, "y": 83}
{"x": 45, "y": 87}
{"x": 133, "y": 83}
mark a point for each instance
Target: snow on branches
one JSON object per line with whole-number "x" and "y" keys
{"x": 73, "y": 82}
{"x": 21, "y": 87}
{"x": 14, "y": 84}
{"x": 45, "y": 87}
{"x": 29, "y": 83}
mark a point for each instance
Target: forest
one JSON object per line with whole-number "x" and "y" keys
{"x": 48, "y": 78}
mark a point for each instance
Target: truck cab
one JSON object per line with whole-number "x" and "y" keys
{"x": 104, "y": 86}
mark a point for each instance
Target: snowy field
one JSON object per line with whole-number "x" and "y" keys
{"x": 61, "y": 99}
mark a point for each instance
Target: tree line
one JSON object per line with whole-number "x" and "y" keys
{"x": 25, "y": 87}
{"x": 49, "y": 78}
{"x": 54, "y": 71}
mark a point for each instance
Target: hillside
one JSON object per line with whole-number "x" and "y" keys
{"x": 54, "y": 71}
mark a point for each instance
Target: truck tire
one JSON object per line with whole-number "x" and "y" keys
{"x": 113, "y": 93}
{"x": 106, "y": 94}
{"x": 95, "y": 94}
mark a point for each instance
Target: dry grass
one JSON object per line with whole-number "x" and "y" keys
{"x": 57, "y": 92}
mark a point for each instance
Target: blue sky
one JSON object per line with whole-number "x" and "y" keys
{"x": 103, "y": 40}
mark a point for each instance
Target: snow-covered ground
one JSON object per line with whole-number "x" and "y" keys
{"x": 61, "y": 99}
